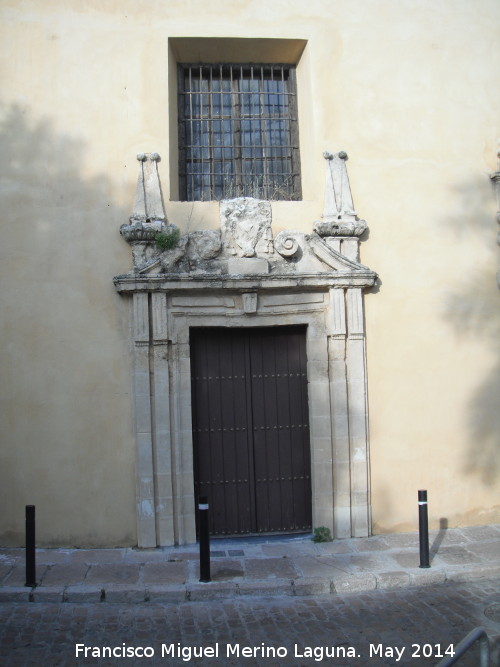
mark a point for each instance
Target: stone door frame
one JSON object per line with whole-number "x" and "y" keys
{"x": 163, "y": 311}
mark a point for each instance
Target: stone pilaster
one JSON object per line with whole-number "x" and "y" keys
{"x": 145, "y": 488}
{"x": 339, "y": 414}
{"x": 358, "y": 415}
{"x": 164, "y": 500}
{"x": 320, "y": 428}
{"x": 182, "y": 443}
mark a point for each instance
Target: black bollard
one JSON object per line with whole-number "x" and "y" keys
{"x": 204, "y": 540}
{"x": 30, "y": 546}
{"x": 423, "y": 528}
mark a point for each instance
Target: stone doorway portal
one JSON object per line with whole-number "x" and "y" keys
{"x": 242, "y": 276}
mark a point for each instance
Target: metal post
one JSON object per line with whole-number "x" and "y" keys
{"x": 423, "y": 528}
{"x": 30, "y": 546}
{"x": 204, "y": 540}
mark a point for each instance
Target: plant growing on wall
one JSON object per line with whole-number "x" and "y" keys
{"x": 322, "y": 534}
{"x": 167, "y": 240}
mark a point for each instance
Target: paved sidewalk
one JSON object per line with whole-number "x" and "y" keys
{"x": 265, "y": 567}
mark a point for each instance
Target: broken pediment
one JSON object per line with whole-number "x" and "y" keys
{"x": 245, "y": 245}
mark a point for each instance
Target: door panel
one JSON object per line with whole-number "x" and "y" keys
{"x": 281, "y": 430}
{"x": 220, "y": 430}
{"x": 250, "y": 428}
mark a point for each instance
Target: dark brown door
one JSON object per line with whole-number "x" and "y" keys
{"x": 251, "y": 428}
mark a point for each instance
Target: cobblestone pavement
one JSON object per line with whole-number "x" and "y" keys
{"x": 420, "y": 620}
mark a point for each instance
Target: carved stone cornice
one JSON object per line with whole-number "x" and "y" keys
{"x": 180, "y": 282}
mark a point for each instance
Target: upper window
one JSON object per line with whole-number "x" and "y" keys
{"x": 238, "y": 132}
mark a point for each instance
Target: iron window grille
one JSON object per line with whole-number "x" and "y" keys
{"x": 238, "y": 132}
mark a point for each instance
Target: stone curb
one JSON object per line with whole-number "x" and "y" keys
{"x": 164, "y": 594}
{"x": 123, "y": 593}
{"x": 82, "y": 593}
{"x": 266, "y": 588}
{"x": 311, "y": 586}
{"x": 199, "y": 592}
{"x": 47, "y": 594}
{"x": 215, "y": 590}
{"x": 15, "y": 594}
{"x": 479, "y": 572}
{"x": 393, "y": 580}
{"x": 427, "y": 577}
{"x": 355, "y": 583}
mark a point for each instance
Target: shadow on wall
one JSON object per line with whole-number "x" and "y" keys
{"x": 473, "y": 308}
{"x": 42, "y": 168}
{"x": 58, "y": 227}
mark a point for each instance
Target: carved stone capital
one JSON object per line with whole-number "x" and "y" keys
{"x": 142, "y": 236}
{"x": 140, "y": 230}
{"x": 340, "y": 228}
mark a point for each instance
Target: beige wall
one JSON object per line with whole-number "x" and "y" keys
{"x": 409, "y": 90}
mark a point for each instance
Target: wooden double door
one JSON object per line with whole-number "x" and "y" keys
{"x": 251, "y": 428}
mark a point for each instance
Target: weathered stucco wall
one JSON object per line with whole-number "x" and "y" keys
{"x": 409, "y": 90}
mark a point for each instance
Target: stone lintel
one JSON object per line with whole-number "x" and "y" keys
{"x": 181, "y": 282}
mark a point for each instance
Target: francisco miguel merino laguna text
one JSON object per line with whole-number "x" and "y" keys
{"x": 186, "y": 653}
